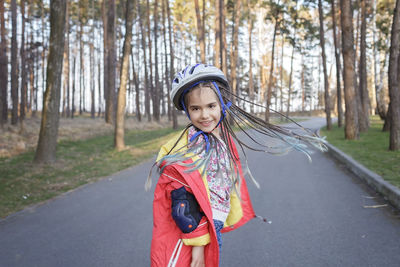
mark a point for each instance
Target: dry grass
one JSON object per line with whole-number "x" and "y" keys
{"x": 18, "y": 139}
{"x": 23, "y": 183}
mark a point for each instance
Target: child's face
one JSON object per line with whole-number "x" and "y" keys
{"x": 204, "y": 109}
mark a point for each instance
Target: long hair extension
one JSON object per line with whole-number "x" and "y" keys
{"x": 254, "y": 129}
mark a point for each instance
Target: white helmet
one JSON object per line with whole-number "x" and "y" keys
{"x": 191, "y": 75}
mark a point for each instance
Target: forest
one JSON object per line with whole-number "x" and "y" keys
{"x": 115, "y": 58}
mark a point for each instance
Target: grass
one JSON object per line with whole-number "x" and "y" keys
{"x": 23, "y": 183}
{"x": 371, "y": 150}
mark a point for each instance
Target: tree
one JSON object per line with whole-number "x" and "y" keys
{"x": 326, "y": 81}
{"x": 276, "y": 16}
{"x": 44, "y": 45}
{"x": 3, "y": 67}
{"x": 362, "y": 67}
{"x": 235, "y": 48}
{"x": 65, "y": 104}
{"x": 218, "y": 37}
{"x": 166, "y": 74}
{"x": 172, "y": 56}
{"x": 137, "y": 90}
{"x": 121, "y": 102}
{"x": 150, "y": 59}
{"x": 31, "y": 60}
{"x": 23, "y": 66}
{"x": 200, "y": 31}
{"x": 105, "y": 56}
{"x": 250, "y": 24}
{"x": 146, "y": 80}
{"x": 220, "y": 57}
{"x": 350, "y": 94}
{"x": 47, "y": 144}
{"x": 294, "y": 40}
{"x": 92, "y": 67}
{"x": 73, "y": 86}
{"x": 82, "y": 21}
{"x": 338, "y": 67}
{"x": 157, "y": 90}
{"x": 223, "y": 47}
{"x": 394, "y": 86}
{"x": 109, "y": 85}
{"x": 383, "y": 17}
{"x": 14, "y": 64}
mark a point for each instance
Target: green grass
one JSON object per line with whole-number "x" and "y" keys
{"x": 23, "y": 183}
{"x": 371, "y": 150}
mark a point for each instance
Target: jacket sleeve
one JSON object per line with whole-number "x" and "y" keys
{"x": 200, "y": 236}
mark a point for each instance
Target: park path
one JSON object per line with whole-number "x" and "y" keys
{"x": 319, "y": 214}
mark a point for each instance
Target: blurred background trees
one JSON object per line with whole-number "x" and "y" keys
{"x": 305, "y": 56}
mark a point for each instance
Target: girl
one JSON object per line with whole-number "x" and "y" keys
{"x": 201, "y": 191}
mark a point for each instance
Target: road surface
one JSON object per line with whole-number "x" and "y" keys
{"x": 321, "y": 216}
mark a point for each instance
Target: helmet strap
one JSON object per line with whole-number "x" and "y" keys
{"x": 224, "y": 106}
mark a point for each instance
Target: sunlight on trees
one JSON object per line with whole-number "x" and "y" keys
{"x": 269, "y": 50}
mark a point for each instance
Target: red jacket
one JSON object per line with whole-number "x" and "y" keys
{"x": 171, "y": 247}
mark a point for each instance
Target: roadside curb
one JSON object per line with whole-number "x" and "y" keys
{"x": 390, "y": 192}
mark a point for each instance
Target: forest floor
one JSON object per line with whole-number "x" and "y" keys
{"x": 85, "y": 154}
{"x": 17, "y": 139}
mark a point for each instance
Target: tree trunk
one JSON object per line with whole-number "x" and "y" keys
{"x": 326, "y": 81}
{"x": 290, "y": 83}
{"x": 338, "y": 68}
{"x": 36, "y": 87}
{"x": 167, "y": 81}
{"x": 105, "y": 50}
{"x": 218, "y": 29}
{"x": 65, "y": 105}
{"x": 394, "y": 86}
{"x": 351, "y": 113}
{"x": 146, "y": 80}
{"x": 172, "y": 56}
{"x": 14, "y": 64}
{"x": 223, "y": 39}
{"x": 150, "y": 82}
{"x": 270, "y": 77}
{"x": 73, "y": 86}
{"x": 383, "y": 89}
{"x": 23, "y": 67}
{"x": 99, "y": 78}
{"x": 47, "y": 144}
{"x": 235, "y": 48}
{"x": 3, "y": 67}
{"x": 362, "y": 67}
{"x": 157, "y": 90}
{"x": 137, "y": 90}
{"x": 203, "y": 20}
{"x": 378, "y": 69}
{"x": 109, "y": 86}
{"x": 200, "y": 32}
{"x": 44, "y": 45}
{"x": 82, "y": 70}
{"x": 119, "y": 142}
{"x": 251, "y": 84}
{"x": 281, "y": 77}
{"x": 31, "y": 60}
{"x": 92, "y": 74}
{"x": 31, "y": 64}
{"x": 303, "y": 89}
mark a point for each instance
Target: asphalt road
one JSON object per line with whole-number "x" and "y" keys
{"x": 321, "y": 216}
